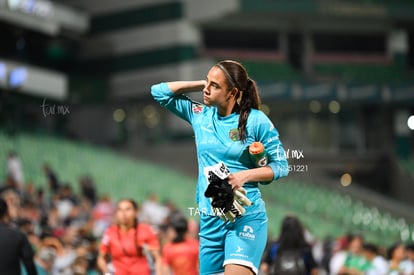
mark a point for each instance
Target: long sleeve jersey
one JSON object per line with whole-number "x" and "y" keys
{"x": 217, "y": 140}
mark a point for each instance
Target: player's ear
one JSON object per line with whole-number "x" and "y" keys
{"x": 234, "y": 91}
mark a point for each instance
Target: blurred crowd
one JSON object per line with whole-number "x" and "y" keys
{"x": 64, "y": 229}
{"x": 347, "y": 254}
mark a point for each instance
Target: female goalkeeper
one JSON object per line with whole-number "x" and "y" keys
{"x": 224, "y": 127}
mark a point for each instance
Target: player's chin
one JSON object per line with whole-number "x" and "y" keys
{"x": 207, "y": 102}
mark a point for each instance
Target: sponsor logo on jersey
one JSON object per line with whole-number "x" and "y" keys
{"x": 197, "y": 108}
{"x": 238, "y": 253}
{"x": 234, "y": 134}
{"x": 247, "y": 233}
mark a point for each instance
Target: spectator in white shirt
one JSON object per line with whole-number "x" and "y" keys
{"x": 378, "y": 264}
{"x": 408, "y": 262}
{"x": 397, "y": 260}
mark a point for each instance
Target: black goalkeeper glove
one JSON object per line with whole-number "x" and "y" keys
{"x": 220, "y": 191}
{"x": 226, "y": 204}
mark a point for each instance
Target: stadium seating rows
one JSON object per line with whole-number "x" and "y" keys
{"x": 324, "y": 212}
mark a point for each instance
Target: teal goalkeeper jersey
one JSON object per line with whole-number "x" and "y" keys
{"x": 217, "y": 140}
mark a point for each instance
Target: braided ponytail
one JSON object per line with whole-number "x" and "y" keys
{"x": 249, "y": 99}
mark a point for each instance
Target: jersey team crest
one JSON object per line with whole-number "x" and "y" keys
{"x": 234, "y": 134}
{"x": 197, "y": 108}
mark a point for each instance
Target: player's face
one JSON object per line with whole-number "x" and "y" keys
{"x": 217, "y": 92}
{"x": 125, "y": 213}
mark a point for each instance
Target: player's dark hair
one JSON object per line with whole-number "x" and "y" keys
{"x": 3, "y": 208}
{"x": 248, "y": 95}
{"x": 370, "y": 247}
{"x": 180, "y": 225}
{"x": 292, "y": 234}
{"x": 134, "y": 206}
{"x": 132, "y": 202}
{"x": 409, "y": 247}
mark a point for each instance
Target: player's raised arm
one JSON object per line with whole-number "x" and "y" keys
{"x": 180, "y": 87}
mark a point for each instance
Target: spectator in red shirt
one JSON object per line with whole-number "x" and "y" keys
{"x": 180, "y": 253}
{"x": 130, "y": 245}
